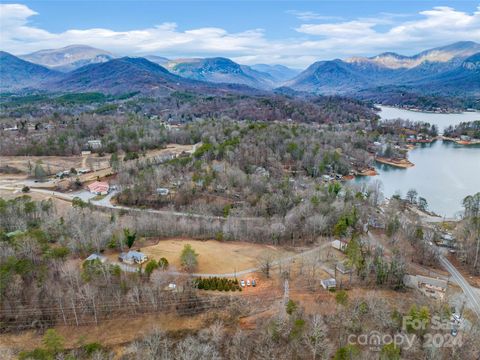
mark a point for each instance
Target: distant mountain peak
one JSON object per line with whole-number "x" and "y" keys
{"x": 69, "y": 57}
{"x": 220, "y": 70}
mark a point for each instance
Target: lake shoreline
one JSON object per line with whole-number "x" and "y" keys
{"x": 444, "y": 173}
{"x": 459, "y": 141}
{"x": 400, "y": 163}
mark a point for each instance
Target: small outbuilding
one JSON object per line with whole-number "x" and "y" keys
{"x": 343, "y": 267}
{"x": 163, "y": 191}
{"x": 98, "y": 257}
{"x": 329, "y": 284}
{"x": 339, "y": 245}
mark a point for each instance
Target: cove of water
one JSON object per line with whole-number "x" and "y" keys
{"x": 444, "y": 172}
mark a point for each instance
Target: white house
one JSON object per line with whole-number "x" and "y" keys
{"x": 133, "y": 257}
{"x": 339, "y": 245}
{"x": 163, "y": 191}
{"x": 94, "y": 144}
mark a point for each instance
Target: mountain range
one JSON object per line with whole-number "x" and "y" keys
{"x": 449, "y": 70}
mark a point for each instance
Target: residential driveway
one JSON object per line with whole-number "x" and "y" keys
{"x": 83, "y": 194}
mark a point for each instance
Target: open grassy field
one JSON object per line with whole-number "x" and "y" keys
{"x": 215, "y": 257}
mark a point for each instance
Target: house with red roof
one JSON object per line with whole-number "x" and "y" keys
{"x": 99, "y": 188}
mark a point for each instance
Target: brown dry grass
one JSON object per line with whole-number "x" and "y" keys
{"x": 109, "y": 333}
{"x": 215, "y": 257}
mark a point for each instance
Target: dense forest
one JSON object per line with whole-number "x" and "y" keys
{"x": 45, "y": 125}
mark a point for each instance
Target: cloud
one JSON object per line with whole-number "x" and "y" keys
{"x": 344, "y": 29}
{"x": 437, "y": 26}
{"x": 318, "y": 37}
{"x": 310, "y": 15}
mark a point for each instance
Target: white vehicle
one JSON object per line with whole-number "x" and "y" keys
{"x": 457, "y": 318}
{"x": 242, "y": 283}
{"x": 248, "y": 282}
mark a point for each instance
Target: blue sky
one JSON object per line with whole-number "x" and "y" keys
{"x": 293, "y": 33}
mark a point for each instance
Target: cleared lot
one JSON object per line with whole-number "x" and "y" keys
{"x": 215, "y": 257}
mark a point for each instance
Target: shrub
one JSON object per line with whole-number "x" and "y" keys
{"x": 189, "y": 258}
{"x": 341, "y": 297}
{"x": 163, "y": 263}
{"x": 37, "y": 354}
{"x": 291, "y": 307}
{"x": 92, "y": 348}
{"x": 151, "y": 265}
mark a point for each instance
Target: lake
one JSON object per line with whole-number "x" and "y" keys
{"x": 441, "y": 120}
{"x": 444, "y": 172}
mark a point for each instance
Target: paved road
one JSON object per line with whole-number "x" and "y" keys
{"x": 471, "y": 293}
{"x": 105, "y": 202}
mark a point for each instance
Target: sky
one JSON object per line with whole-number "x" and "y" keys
{"x": 292, "y": 33}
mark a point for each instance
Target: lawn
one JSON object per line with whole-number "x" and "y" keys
{"x": 215, "y": 257}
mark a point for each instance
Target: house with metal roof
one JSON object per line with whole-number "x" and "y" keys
{"x": 329, "y": 283}
{"x": 133, "y": 257}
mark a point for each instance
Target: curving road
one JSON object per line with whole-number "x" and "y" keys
{"x": 470, "y": 292}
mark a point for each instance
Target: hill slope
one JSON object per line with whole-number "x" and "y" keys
{"x": 16, "y": 73}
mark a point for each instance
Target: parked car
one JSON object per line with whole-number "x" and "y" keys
{"x": 254, "y": 283}
{"x": 248, "y": 282}
{"x": 456, "y": 318}
{"x": 242, "y": 283}
{"x": 454, "y": 331}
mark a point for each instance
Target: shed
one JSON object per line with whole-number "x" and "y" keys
{"x": 343, "y": 267}
{"x": 163, "y": 191}
{"x": 329, "y": 283}
{"x": 339, "y": 245}
{"x": 98, "y": 257}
